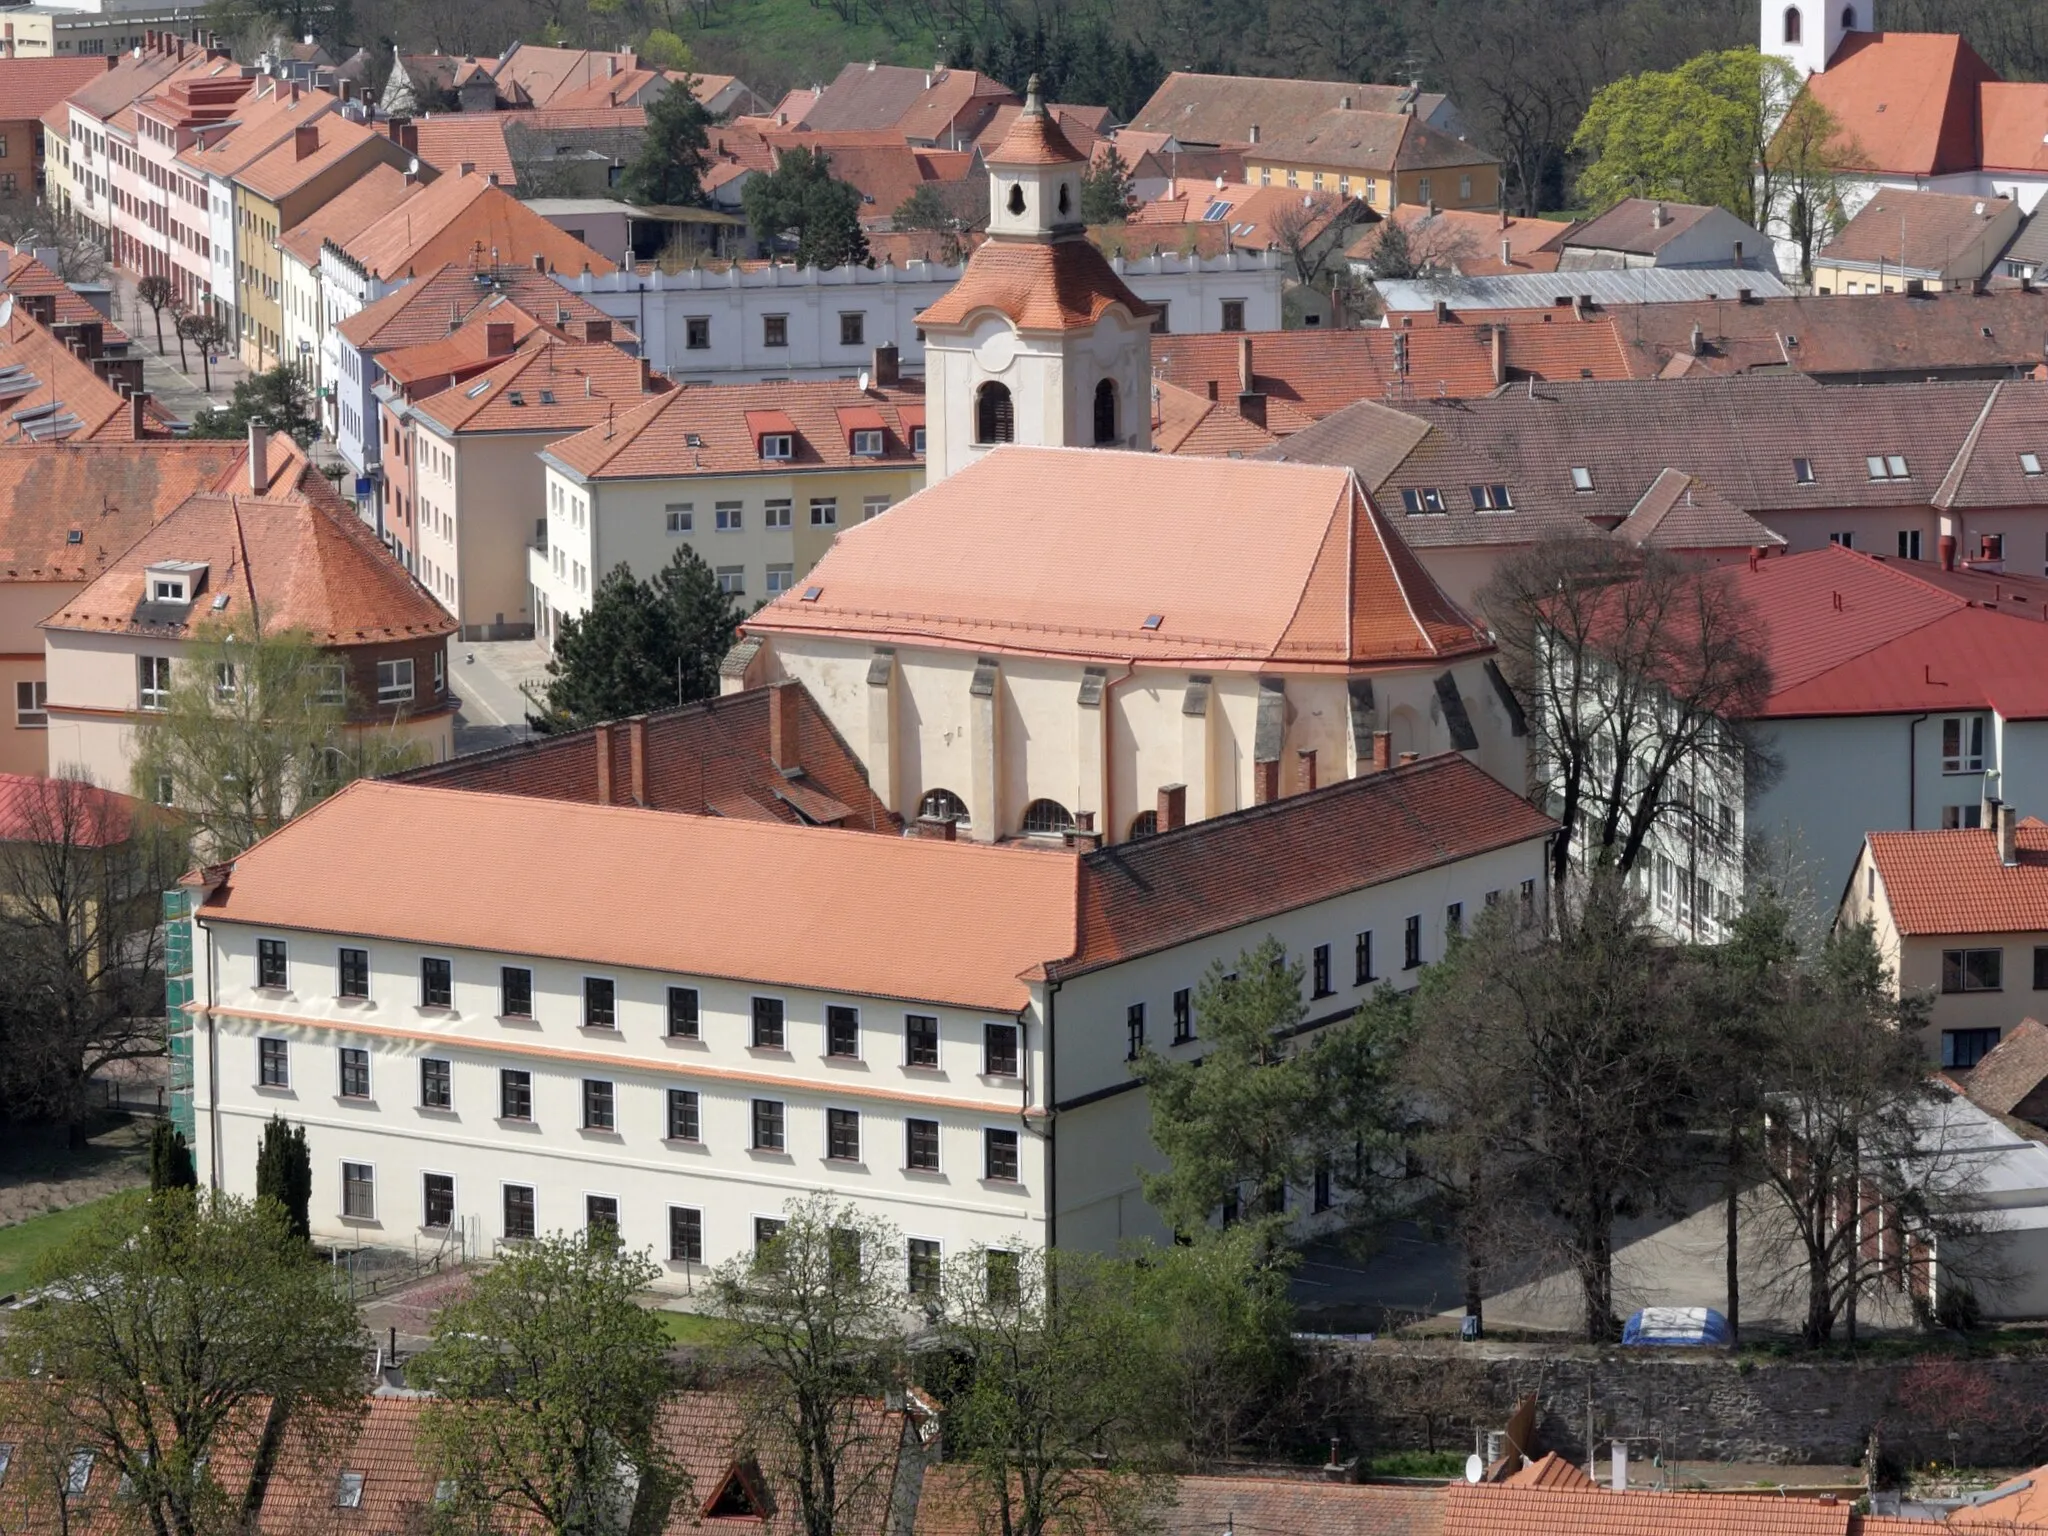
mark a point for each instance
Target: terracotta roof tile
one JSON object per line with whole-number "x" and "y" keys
{"x": 2019, "y": 1504}
{"x": 108, "y": 493}
{"x": 1906, "y": 102}
{"x": 973, "y": 919}
{"x": 304, "y": 562}
{"x": 468, "y": 220}
{"x": 48, "y": 393}
{"x": 1370, "y": 141}
{"x": 1258, "y": 1506}
{"x": 449, "y": 140}
{"x": 1682, "y": 512}
{"x": 1086, "y": 128}
{"x": 880, "y": 166}
{"x": 916, "y": 103}
{"x": 1064, "y": 285}
{"x": 1035, "y": 139}
{"x": 2010, "y": 119}
{"x": 1253, "y": 212}
{"x": 1503, "y": 1510}
{"x": 31, "y": 87}
{"x": 1148, "y": 894}
{"x": 2008, "y": 1074}
{"x": 136, "y": 74}
{"x": 1470, "y": 242}
{"x": 21, "y": 272}
{"x": 1223, "y": 109}
{"x": 1247, "y": 564}
{"x": 1184, "y": 422}
{"x": 1936, "y": 227}
{"x": 558, "y": 387}
{"x": 363, "y": 201}
{"x": 1951, "y": 881}
{"x": 699, "y": 754}
{"x": 550, "y": 119}
{"x": 262, "y": 120}
{"x": 1551, "y": 1470}
{"x": 35, "y": 809}
{"x": 284, "y": 168}
{"x": 432, "y": 366}
{"x": 445, "y": 297}
{"x": 1632, "y": 225}
{"x": 655, "y": 438}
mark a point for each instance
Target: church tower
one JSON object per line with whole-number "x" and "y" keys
{"x": 1806, "y": 33}
{"x": 1039, "y": 342}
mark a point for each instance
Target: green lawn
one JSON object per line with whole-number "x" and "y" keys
{"x": 691, "y": 1327}
{"x": 26, "y": 1241}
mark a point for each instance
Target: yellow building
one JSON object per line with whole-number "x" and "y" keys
{"x": 758, "y": 479}
{"x": 1388, "y": 159}
{"x": 272, "y": 194}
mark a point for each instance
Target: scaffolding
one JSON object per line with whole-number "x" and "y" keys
{"x": 177, "y": 994}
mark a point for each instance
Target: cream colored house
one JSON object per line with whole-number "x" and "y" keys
{"x": 1054, "y": 637}
{"x": 1961, "y": 916}
{"x": 758, "y": 479}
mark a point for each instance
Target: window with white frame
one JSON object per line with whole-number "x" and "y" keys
{"x": 780, "y": 578}
{"x": 732, "y": 580}
{"x": 872, "y": 507}
{"x": 777, "y": 513}
{"x": 358, "y": 1192}
{"x": 824, "y": 511}
{"x": 1962, "y": 744}
{"x": 867, "y": 443}
{"x": 681, "y": 517}
{"x": 728, "y": 516}
{"x": 394, "y": 680}
{"x": 31, "y": 704}
{"x": 153, "y": 682}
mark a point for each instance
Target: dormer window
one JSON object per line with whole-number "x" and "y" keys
{"x": 867, "y": 443}
{"x": 777, "y": 445}
{"x": 169, "y": 589}
{"x": 173, "y": 581}
{"x": 917, "y": 439}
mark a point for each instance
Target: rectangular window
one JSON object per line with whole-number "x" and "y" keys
{"x": 394, "y": 680}
{"x": 355, "y": 1072}
{"x": 682, "y": 1013}
{"x": 437, "y": 1200}
{"x": 1134, "y": 1029}
{"x": 1361, "y": 959}
{"x": 920, "y": 1040}
{"x": 685, "y": 1235}
{"x": 515, "y": 1094}
{"x": 921, "y": 1145}
{"x": 1973, "y": 970}
{"x": 1582, "y": 478}
{"x": 521, "y": 1213}
{"x": 766, "y": 1230}
{"x": 1183, "y": 1016}
{"x": 768, "y": 1032}
{"x": 824, "y": 512}
{"x": 1802, "y": 471}
{"x": 681, "y": 518}
{"x": 598, "y": 1105}
{"x": 776, "y": 513}
{"x": 767, "y": 1125}
{"x": 999, "y": 1156}
{"x": 1411, "y": 946}
{"x": 732, "y": 580}
{"x": 872, "y": 507}
{"x": 1490, "y": 498}
{"x": 1909, "y": 543}
{"x": 924, "y": 1267}
{"x": 842, "y": 1031}
{"x": 31, "y": 705}
{"x": 600, "y": 1003}
{"x": 1528, "y": 903}
{"x": 842, "y": 1135}
{"x": 1886, "y": 466}
{"x": 775, "y": 330}
{"x": 437, "y": 1090}
{"x": 153, "y": 682}
{"x": 697, "y": 333}
{"x": 683, "y": 1122}
{"x": 780, "y": 579}
{"x": 1843, "y": 540}
{"x": 999, "y": 1050}
{"x": 515, "y": 992}
{"x": 1454, "y": 919}
{"x": 437, "y": 983}
{"x": 853, "y": 328}
{"x": 1962, "y": 744}
{"x": 2030, "y": 463}
{"x": 1966, "y": 1047}
{"x": 867, "y": 443}
{"x": 2041, "y": 968}
{"x": 1005, "y": 1285}
{"x": 1233, "y": 314}
{"x": 729, "y": 516}
{"x": 1321, "y": 971}
{"x": 601, "y": 1213}
{"x": 358, "y": 1192}
{"x": 273, "y": 1060}
{"x": 917, "y": 433}
{"x": 270, "y": 964}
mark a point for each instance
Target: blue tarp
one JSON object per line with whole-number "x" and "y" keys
{"x": 1676, "y": 1325}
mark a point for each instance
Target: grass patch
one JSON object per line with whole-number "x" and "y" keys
{"x": 1444, "y": 1464}
{"x": 22, "y": 1244}
{"x": 691, "y": 1327}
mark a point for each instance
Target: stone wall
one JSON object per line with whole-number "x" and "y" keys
{"x": 1705, "y": 1406}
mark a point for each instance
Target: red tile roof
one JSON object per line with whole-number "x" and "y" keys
{"x": 1503, "y": 1510}
{"x": 1246, "y": 564}
{"x": 107, "y": 493}
{"x": 361, "y": 203}
{"x": 22, "y": 272}
{"x": 972, "y": 919}
{"x": 1937, "y": 227}
{"x": 444, "y": 298}
{"x": 1184, "y": 422}
{"x": 1063, "y": 285}
{"x": 286, "y": 168}
{"x": 449, "y": 140}
{"x": 1083, "y": 127}
{"x": 949, "y": 1505}
{"x": 39, "y": 810}
{"x": 1906, "y": 102}
{"x": 1382, "y": 142}
{"x": 1682, "y": 512}
{"x": 1143, "y": 896}
{"x": 2007, "y": 1075}
{"x": 30, "y": 87}
{"x": 1035, "y": 139}
{"x": 1470, "y": 243}
{"x": 67, "y": 399}
{"x": 559, "y": 387}
{"x": 1223, "y": 109}
{"x": 300, "y": 561}
{"x": 2010, "y": 121}
{"x": 469, "y": 220}
{"x": 262, "y": 119}
{"x": 654, "y": 439}
{"x": 1951, "y": 881}
{"x": 1550, "y": 1470}
{"x": 715, "y": 753}
{"x": 1641, "y": 226}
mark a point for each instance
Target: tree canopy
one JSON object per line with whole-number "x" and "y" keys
{"x": 669, "y": 170}
{"x": 802, "y": 201}
{"x": 277, "y": 397}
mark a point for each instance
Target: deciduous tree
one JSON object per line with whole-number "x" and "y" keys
{"x": 549, "y": 1377}
{"x": 206, "y": 331}
{"x": 156, "y": 291}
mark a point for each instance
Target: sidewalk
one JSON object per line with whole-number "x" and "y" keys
{"x": 182, "y": 393}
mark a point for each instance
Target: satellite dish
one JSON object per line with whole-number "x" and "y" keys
{"x": 1474, "y": 1468}
{"x": 863, "y": 381}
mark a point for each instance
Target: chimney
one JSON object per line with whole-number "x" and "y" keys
{"x": 1507, "y": 252}
{"x": 540, "y": 261}
{"x": 939, "y": 829}
{"x": 497, "y": 338}
{"x": 1744, "y": 295}
{"x": 396, "y": 128}
{"x": 1618, "y": 1483}
{"x": 2008, "y": 836}
{"x": 1083, "y": 837}
{"x": 1173, "y": 806}
{"x": 1500, "y": 352}
{"x": 604, "y": 764}
{"x": 1948, "y": 551}
{"x": 259, "y": 457}
{"x": 1504, "y": 218}
{"x": 1657, "y": 215}
{"x": 136, "y": 414}
{"x": 1443, "y": 310}
{"x": 601, "y": 330}
{"x": 1244, "y": 365}
{"x": 305, "y": 139}
{"x": 1266, "y": 782}
{"x": 1251, "y": 405}
{"x": 783, "y": 747}
{"x": 887, "y": 370}
{"x": 1699, "y": 340}
{"x": 1407, "y": 758}
{"x": 1307, "y": 755}
{"x": 1382, "y": 751}
{"x": 636, "y": 756}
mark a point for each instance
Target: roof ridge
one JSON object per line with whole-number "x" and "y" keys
{"x": 1951, "y": 483}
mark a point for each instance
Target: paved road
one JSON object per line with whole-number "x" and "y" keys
{"x": 487, "y": 675}
{"x": 182, "y": 393}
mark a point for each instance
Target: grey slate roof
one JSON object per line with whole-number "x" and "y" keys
{"x": 1542, "y": 290}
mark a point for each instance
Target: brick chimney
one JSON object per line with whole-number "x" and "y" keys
{"x": 1407, "y": 758}
{"x": 1251, "y": 405}
{"x": 1265, "y": 782}
{"x": 1173, "y": 806}
{"x": 498, "y": 338}
{"x": 1244, "y": 365}
{"x": 1500, "y": 353}
{"x": 940, "y": 829}
{"x": 600, "y": 330}
{"x": 259, "y": 458}
{"x": 137, "y": 414}
{"x": 888, "y": 370}
{"x": 305, "y": 139}
{"x": 1382, "y": 751}
{"x": 1948, "y": 551}
{"x": 636, "y": 757}
{"x": 1082, "y": 836}
{"x": 2008, "y": 836}
{"x": 1307, "y": 755}
{"x": 603, "y": 735}
{"x": 784, "y": 749}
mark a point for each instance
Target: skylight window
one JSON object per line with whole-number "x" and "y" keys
{"x": 476, "y": 389}
{"x": 1887, "y": 466}
{"x": 1582, "y": 478}
{"x": 348, "y": 1491}
{"x": 517, "y": 397}
{"x": 1802, "y": 471}
{"x": 812, "y": 594}
{"x": 2030, "y": 463}
{"x": 1154, "y": 620}
{"x": 1420, "y": 500}
{"x": 693, "y": 440}
{"x": 1220, "y": 209}
{"x": 1491, "y": 498}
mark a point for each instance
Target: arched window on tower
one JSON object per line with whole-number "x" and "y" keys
{"x": 1066, "y": 202}
{"x": 1016, "y": 197}
{"x": 1848, "y": 18}
{"x": 943, "y": 805}
{"x": 1047, "y": 818}
{"x": 1105, "y": 412}
{"x": 995, "y": 419}
{"x": 1792, "y": 24}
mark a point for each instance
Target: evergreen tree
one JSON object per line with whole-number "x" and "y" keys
{"x": 170, "y": 1160}
{"x": 802, "y": 198}
{"x": 1106, "y": 190}
{"x": 284, "y": 1173}
{"x": 669, "y": 169}
{"x": 642, "y": 646}
{"x": 278, "y": 398}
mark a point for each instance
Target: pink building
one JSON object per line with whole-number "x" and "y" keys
{"x": 165, "y": 124}
{"x": 143, "y": 140}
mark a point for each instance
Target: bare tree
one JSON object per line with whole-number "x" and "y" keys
{"x": 1307, "y": 232}
{"x": 156, "y": 291}
{"x": 67, "y": 243}
{"x": 207, "y": 332}
{"x": 1642, "y": 678}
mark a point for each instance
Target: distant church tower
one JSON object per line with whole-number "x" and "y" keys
{"x": 1039, "y": 342}
{"x": 1806, "y": 33}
